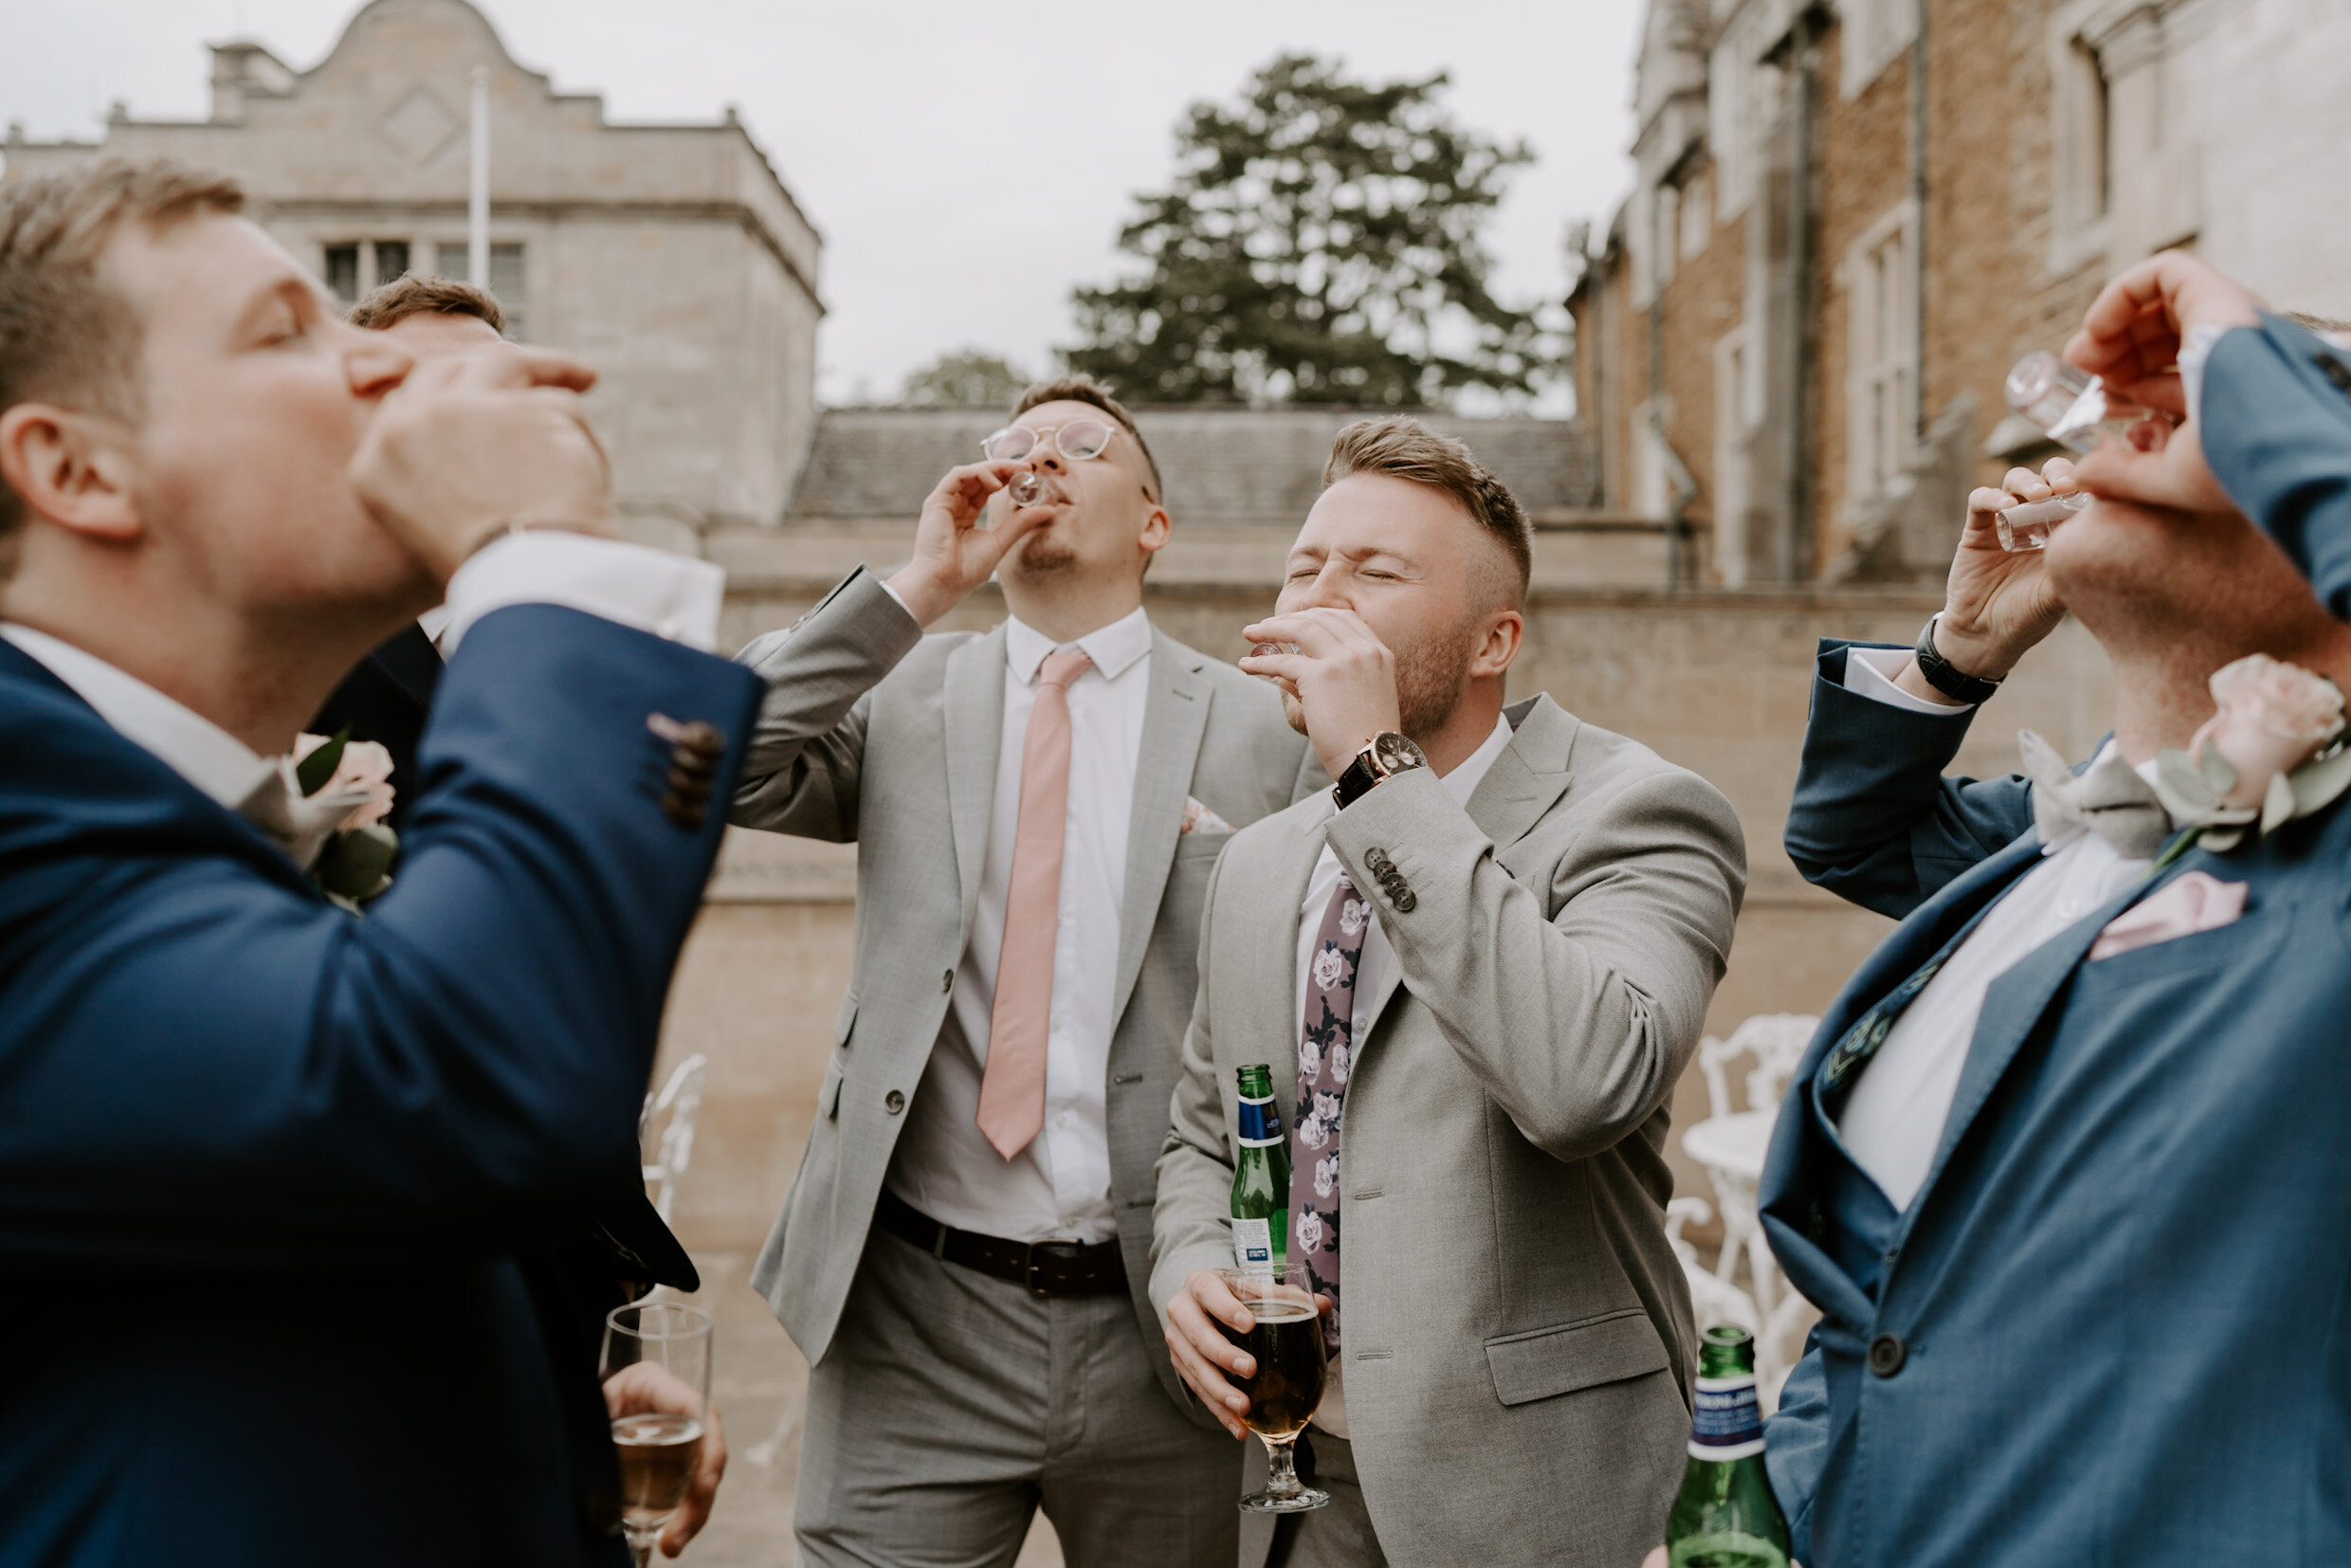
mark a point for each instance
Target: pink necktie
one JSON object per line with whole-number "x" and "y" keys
{"x": 1012, "y": 1089}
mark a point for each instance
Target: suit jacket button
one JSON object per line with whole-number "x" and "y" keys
{"x": 946, "y": 982}
{"x": 1886, "y": 1354}
{"x": 1405, "y": 901}
{"x": 893, "y": 1102}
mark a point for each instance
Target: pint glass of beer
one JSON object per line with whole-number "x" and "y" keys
{"x": 1286, "y": 1341}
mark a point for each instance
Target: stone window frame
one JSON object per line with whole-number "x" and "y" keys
{"x": 2081, "y": 154}
{"x": 1880, "y": 438}
{"x": 1741, "y": 89}
{"x": 1877, "y": 32}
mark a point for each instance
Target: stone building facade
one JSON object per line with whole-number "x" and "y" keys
{"x": 671, "y": 257}
{"x": 1851, "y": 218}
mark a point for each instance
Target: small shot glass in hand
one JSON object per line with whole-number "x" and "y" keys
{"x": 656, "y": 1372}
{"x": 2027, "y": 525}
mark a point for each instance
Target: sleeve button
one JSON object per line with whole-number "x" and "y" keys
{"x": 893, "y": 1102}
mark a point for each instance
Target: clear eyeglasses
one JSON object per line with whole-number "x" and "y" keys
{"x": 1077, "y": 440}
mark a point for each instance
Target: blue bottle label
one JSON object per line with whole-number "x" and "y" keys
{"x": 1260, "y": 1123}
{"x": 1727, "y": 1423}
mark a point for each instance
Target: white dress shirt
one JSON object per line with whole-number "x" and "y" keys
{"x": 651, "y": 590}
{"x": 1331, "y": 1416}
{"x": 1894, "y": 1121}
{"x": 1060, "y": 1184}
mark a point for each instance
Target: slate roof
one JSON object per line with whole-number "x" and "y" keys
{"x": 1222, "y": 464}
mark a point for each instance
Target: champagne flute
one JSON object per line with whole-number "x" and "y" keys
{"x": 1287, "y": 1343}
{"x": 656, "y": 1372}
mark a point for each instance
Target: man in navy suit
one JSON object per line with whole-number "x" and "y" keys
{"x": 2073, "y": 1211}
{"x": 264, "y": 1165}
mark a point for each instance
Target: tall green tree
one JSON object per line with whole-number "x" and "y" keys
{"x": 1318, "y": 244}
{"x": 964, "y": 378}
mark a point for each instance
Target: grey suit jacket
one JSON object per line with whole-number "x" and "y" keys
{"x": 1519, "y": 1333}
{"x": 874, "y": 733}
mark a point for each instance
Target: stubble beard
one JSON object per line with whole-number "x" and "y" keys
{"x": 1429, "y": 681}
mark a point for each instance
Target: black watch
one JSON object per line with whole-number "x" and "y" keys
{"x": 1388, "y": 755}
{"x": 1946, "y": 677}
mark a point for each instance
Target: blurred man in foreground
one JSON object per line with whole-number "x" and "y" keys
{"x": 1497, "y": 937}
{"x": 264, "y": 1161}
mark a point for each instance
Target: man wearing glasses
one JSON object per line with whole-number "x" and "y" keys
{"x": 964, "y": 1254}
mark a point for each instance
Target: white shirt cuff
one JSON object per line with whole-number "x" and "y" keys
{"x": 1869, "y": 672}
{"x": 672, "y": 596}
{"x": 895, "y": 597}
{"x": 2193, "y": 355}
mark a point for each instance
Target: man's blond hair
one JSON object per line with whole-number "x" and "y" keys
{"x": 1407, "y": 449}
{"x": 410, "y": 294}
{"x": 66, "y": 336}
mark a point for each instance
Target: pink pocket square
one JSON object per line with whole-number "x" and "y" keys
{"x": 2195, "y": 902}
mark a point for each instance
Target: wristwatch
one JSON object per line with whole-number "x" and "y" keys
{"x": 1945, "y": 677}
{"x": 1388, "y": 755}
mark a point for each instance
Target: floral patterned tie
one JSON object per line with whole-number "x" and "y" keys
{"x": 1325, "y": 1059}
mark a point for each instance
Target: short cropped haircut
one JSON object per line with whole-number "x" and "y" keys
{"x": 1407, "y": 449}
{"x": 66, "y": 336}
{"x": 409, "y": 294}
{"x": 1084, "y": 389}
{"x": 2316, "y": 323}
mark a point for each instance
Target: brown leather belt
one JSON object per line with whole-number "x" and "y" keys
{"x": 1055, "y": 1266}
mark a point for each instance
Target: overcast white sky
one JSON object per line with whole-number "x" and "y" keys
{"x": 968, "y": 162}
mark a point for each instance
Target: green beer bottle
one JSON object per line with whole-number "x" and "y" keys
{"x": 1726, "y": 1516}
{"x": 1261, "y": 1180}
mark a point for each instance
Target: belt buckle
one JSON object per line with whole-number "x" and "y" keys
{"x": 1032, "y": 1266}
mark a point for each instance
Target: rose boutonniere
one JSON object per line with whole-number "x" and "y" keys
{"x": 353, "y": 863}
{"x": 2274, "y": 751}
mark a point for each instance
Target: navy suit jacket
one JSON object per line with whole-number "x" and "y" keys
{"x": 2121, "y": 1293}
{"x": 264, "y": 1166}
{"x": 2276, "y": 415}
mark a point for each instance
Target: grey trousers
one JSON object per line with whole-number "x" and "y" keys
{"x": 952, "y": 1405}
{"x": 1339, "y": 1535}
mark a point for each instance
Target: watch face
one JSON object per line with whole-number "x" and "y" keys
{"x": 1394, "y": 753}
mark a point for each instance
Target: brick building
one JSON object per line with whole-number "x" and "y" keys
{"x": 1851, "y": 219}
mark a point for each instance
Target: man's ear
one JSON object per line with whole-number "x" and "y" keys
{"x": 1505, "y": 633}
{"x": 1157, "y": 526}
{"x": 72, "y": 468}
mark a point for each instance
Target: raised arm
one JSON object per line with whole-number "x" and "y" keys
{"x": 217, "y": 1066}
{"x": 1576, "y": 1005}
{"x": 2276, "y": 409}
{"x": 1873, "y": 819}
{"x": 808, "y": 749}
{"x": 803, "y": 773}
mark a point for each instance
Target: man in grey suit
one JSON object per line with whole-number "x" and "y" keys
{"x": 1480, "y": 962}
{"x": 963, "y": 1255}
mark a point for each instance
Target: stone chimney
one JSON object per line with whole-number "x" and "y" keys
{"x": 243, "y": 69}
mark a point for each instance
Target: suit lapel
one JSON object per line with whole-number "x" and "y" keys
{"x": 975, "y": 724}
{"x": 1279, "y": 886}
{"x": 1175, "y": 717}
{"x": 2011, "y": 1008}
{"x": 1790, "y": 1171}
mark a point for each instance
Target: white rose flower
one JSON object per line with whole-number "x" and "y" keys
{"x": 1311, "y": 1132}
{"x": 1351, "y": 915}
{"x": 1309, "y": 1231}
{"x": 1326, "y": 1175}
{"x": 1339, "y": 1065}
{"x": 1327, "y": 966}
{"x": 1326, "y": 1109}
